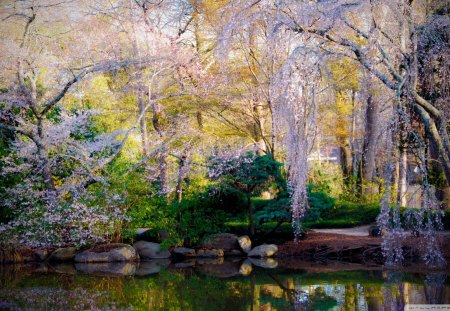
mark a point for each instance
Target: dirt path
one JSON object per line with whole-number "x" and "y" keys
{"x": 356, "y": 231}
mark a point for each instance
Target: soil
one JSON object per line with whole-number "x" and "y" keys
{"x": 320, "y": 245}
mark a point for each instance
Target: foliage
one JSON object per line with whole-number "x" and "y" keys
{"x": 78, "y": 221}
{"x": 346, "y": 214}
{"x": 320, "y": 301}
{"x": 326, "y": 177}
{"x": 279, "y": 209}
{"x": 53, "y": 204}
{"x": 251, "y": 174}
{"x": 205, "y": 212}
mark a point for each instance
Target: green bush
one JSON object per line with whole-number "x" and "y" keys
{"x": 199, "y": 215}
{"x": 279, "y": 209}
{"x": 352, "y": 214}
{"x": 319, "y": 204}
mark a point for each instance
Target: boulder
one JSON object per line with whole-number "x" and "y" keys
{"x": 43, "y": 253}
{"x": 375, "y": 231}
{"x": 210, "y": 253}
{"x": 63, "y": 268}
{"x": 246, "y": 268}
{"x": 152, "y": 266}
{"x": 183, "y": 252}
{"x": 185, "y": 264}
{"x": 107, "y": 268}
{"x": 224, "y": 269}
{"x": 267, "y": 263}
{"x": 245, "y": 243}
{"x": 264, "y": 250}
{"x": 150, "y": 250}
{"x": 108, "y": 253}
{"x": 209, "y": 261}
{"x": 226, "y": 241}
{"x": 63, "y": 254}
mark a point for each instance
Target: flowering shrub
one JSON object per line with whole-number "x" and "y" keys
{"x": 54, "y": 202}
{"x": 55, "y": 222}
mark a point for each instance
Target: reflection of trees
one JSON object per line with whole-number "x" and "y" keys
{"x": 187, "y": 289}
{"x": 434, "y": 287}
{"x": 394, "y": 291}
{"x": 319, "y": 300}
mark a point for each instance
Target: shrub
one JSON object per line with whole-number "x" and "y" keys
{"x": 197, "y": 216}
{"x": 352, "y": 214}
{"x": 279, "y": 209}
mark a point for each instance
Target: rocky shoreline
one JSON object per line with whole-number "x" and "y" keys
{"x": 316, "y": 246}
{"x": 215, "y": 246}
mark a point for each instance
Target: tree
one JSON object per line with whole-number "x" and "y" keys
{"x": 387, "y": 52}
{"x": 56, "y": 149}
{"x": 250, "y": 174}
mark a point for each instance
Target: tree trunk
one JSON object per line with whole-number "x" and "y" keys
{"x": 446, "y": 198}
{"x": 43, "y": 157}
{"x": 143, "y": 123}
{"x": 437, "y": 139}
{"x": 181, "y": 173}
{"x": 251, "y": 224}
{"x": 46, "y": 169}
{"x": 369, "y": 147}
{"x": 403, "y": 172}
{"x": 346, "y": 156}
{"x": 163, "y": 170}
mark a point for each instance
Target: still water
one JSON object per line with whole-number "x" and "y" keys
{"x": 219, "y": 285}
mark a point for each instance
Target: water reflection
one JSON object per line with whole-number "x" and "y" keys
{"x": 217, "y": 285}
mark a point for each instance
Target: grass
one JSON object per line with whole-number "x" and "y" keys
{"x": 342, "y": 215}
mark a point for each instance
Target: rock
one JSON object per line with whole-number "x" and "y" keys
{"x": 108, "y": 253}
{"x": 43, "y": 253}
{"x": 185, "y": 264}
{"x": 63, "y": 268}
{"x": 246, "y": 268}
{"x": 264, "y": 250}
{"x": 210, "y": 253}
{"x": 235, "y": 253}
{"x": 375, "y": 231}
{"x": 245, "y": 243}
{"x": 226, "y": 241}
{"x": 107, "y": 268}
{"x": 209, "y": 261}
{"x": 183, "y": 252}
{"x": 63, "y": 254}
{"x": 40, "y": 268}
{"x": 267, "y": 263}
{"x": 225, "y": 269}
{"x": 152, "y": 266}
{"x": 150, "y": 250}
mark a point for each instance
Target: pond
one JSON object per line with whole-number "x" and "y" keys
{"x": 219, "y": 285}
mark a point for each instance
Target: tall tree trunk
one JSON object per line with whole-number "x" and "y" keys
{"x": 46, "y": 168}
{"x": 438, "y": 140}
{"x": 257, "y": 109}
{"x": 369, "y": 146}
{"x": 346, "y": 158}
{"x": 43, "y": 157}
{"x": 181, "y": 173}
{"x": 143, "y": 123}
{"x": 163, "y": 174}
{"x": 163, "y": 154}
{"x": 403, "y": 174}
